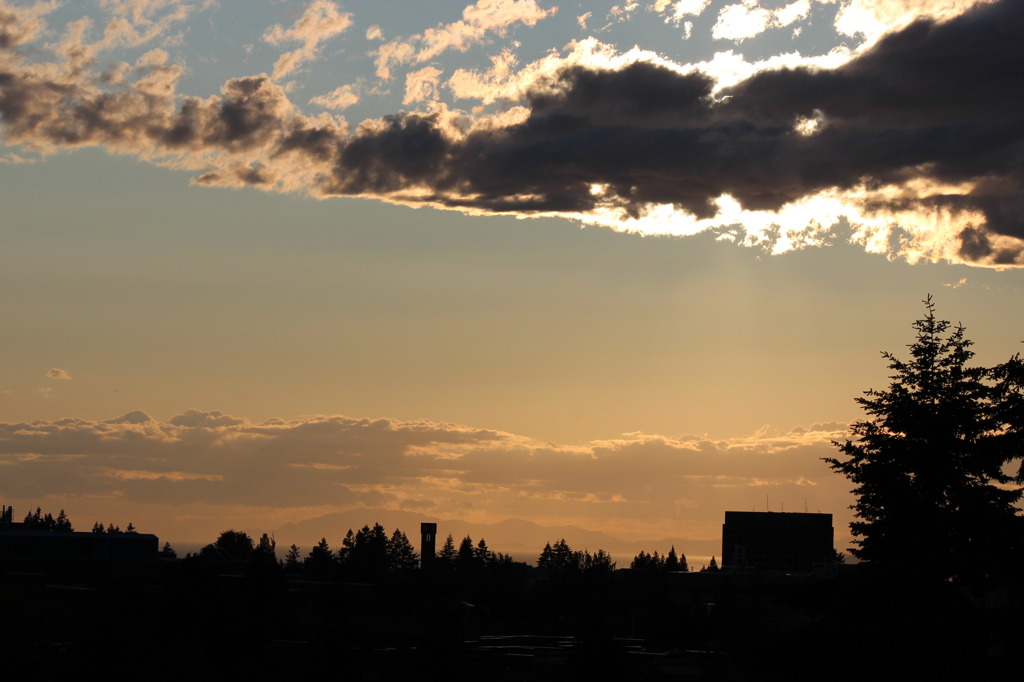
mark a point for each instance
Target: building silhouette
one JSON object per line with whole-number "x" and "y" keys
{"x": 21, "y": 542}
{"x": 776, "y": 541}
{"x": 428, "y": 543}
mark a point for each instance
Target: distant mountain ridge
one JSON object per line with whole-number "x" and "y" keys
{"x": 523, "y": 539}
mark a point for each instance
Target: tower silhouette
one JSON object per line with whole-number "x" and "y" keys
{"x": 428, "y": 542}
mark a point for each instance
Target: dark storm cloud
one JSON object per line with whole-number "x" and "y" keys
{"x": 943, "y": 101}
{"x": 585, "y": 127}
{"x": 934, "y": 105}
{"x": 935, "y": 101}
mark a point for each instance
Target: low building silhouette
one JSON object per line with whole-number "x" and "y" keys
{"x": 21, "y": 542}
{"x": 776, "y": 541}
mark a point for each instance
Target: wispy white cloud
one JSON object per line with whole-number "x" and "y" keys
{"x": 61, "y": 374}
{"x": 341, "y": 97}
{"x": 501, "y": 81}
{"x": 676, "y": 11}
{"x": 737, "y": 22}
{"x": 137, "y": 22}
{"x": 321, "y": 21}
{"x": 795, "y": 11}
{"x": 140, "y": 11}
{"x": 871, "y": 19}
{"x": 748, "y": 19}
{"x": 623, "y": 12}
{"x": 391, "y": 54}
{"x": 421, "y": 85}
{"x": 478, "y": 21}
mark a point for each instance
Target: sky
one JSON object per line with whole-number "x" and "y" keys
{"x": 586, "y": 268}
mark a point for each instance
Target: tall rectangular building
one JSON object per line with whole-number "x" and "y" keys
{"x": 428, "y": 543}
{"x": 776, "y": 541}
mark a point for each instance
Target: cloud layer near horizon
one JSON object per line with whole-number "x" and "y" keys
{"x": 633, "y": 484}
{"x": 916, "y": 141}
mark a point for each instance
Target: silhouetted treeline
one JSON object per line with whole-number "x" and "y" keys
{"x": 46, "y": 522}
{"x": 38, "y": 521}
{"x": 235, "y": 545}
{"x": 366, "y": 555}
{"x": 111, "y": 528}
{"x": 560, "y": 560}
{"x": 653, "y": 562}
{"x": 468, "y": 558}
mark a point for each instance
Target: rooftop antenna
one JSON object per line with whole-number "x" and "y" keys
{"x": 805, "y": 505}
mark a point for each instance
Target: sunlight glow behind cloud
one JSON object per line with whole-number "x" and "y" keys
{"x": 915, "y": 176}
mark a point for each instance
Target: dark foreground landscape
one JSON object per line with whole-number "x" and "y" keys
{"x": 214, "y": 617}
{"x": 937, "y": 596}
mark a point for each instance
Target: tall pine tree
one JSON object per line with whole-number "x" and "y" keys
{"x": 928, "y": 463}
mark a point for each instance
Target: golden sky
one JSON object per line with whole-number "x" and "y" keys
{"x": 597, "y": 267}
